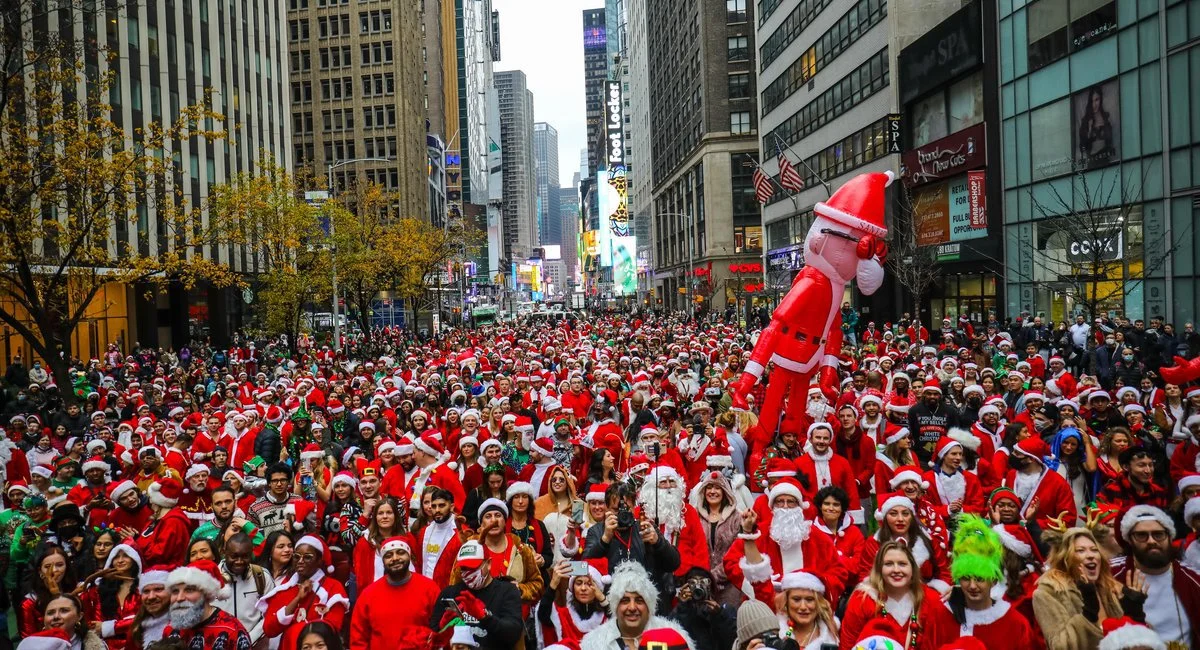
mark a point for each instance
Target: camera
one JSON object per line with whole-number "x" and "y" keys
{"x": 773, "y": 640}
{"x": 625, "y": 519}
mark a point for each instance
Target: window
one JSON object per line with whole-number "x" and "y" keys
{"x": 739, "y": 123}
{"x": 739, "y": 85}
{"x": 870, "y": 78}
{"x": 1059, "y": 27}
{"x": 789, "y": 30}
{"x": 929, "y": 120}
{"x": 1050, "y": 140}
{"x": 735, "y": 11}
{"x": 966, "y": 103}
{"x": 739, "y": 48}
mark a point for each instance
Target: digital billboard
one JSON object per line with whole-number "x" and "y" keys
{"x": 614, "y": 126}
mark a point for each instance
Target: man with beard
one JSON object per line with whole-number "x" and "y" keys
{"x": 789, "y": 546}
{"x": 491, "y": 606}
{"x": 194, "y": 588}
{"x": 247, "y": 583}
{"x": 165, "y": 539}
{"x": 90, "y": 495}
{"x": 394, "y": 612}
{"x": 537, "y": 472}
{"x": 824, "y": 468}
{"x": 154, "y": 613}
{"x": 1031, "y": 480}
{"x": 621, "y": 537}
{"x": 929, "y": 420}
{"x": 663, "y": 502}
{"x": 196, "y": 501}
{"x": 131, "y": 512}
{"x": 438, "y": 542}
{"x": 224, "y": 513}
{"x": 1172, "y": 590}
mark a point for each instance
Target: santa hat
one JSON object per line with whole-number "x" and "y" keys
{"x": 597, "y": 571}
{"x": 129, "y": 551}
{"x": 943, "y": 447}
{"x": 344, "y": 477}
{"x": 638, "y": 463}
{"x": 1192, "y": 420}
{"x": 1191, "y": 510}
{"x": 664, "y": 638}
{"x": 880, "y": 634}
{"x": 315, "y": 542}
{"x": 786, "y": 486}
{"x": 21, "y": 486}
{"x": 312, "y": 451}
{"x": 663, "y": 472}
{"x": 299, "y": 511}
{"x": 1188, "y": 480}
{"x": 988, "y": 409}
{"x": 896, "y": 435}
{"x": 801, "y": 580}
{"x": 780, "y": 468}
{"x": 97, "y": 447}
{"x": 274, "y": 415}
{"x": 420, "y": 413}
{"x": 399, "y": 542}
{"x": 519, "y": 487}
{"x": 974, "y": 388}
{"x": 1126, "y": 634}
{"x": 892, "y": 502}
{"x": 464, "y": 635}
{"x": 543, "y": 446}
{"x": 908, "y": 473}
{"x": 205, "y": 576}
{"x": 1018, "y": 540}
{"x": 493, "y": 504}
{"x": 490, "y": 442}
{"x": 1140, "y": 513}
{"x": 165, "y": 492}
{"x": 964, "y": 437}
{"x": 52, "y": 639}
{"x": 467, "y": 440}
{"x": 596, "y": 492}
{"x": 95, "y": 462}
{"x": 430, "y": 445}
{"x": 1034, "y": 448}
{"x": 155, "y": 575}
{"x": 198, "y": 468}
{"x": 147, "y": 450}
{"x": 859, "y": 203}
{"x": 335, "y": 406}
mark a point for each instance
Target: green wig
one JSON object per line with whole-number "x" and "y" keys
{"x": 977, "y": 551}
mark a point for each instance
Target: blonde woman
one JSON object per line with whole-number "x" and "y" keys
{"x": 894, "y": 590}
{"x": 1078, "y": 592}
{"x": 804, "y": 614}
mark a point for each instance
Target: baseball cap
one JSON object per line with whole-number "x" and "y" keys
{"x": 470, "y": 555}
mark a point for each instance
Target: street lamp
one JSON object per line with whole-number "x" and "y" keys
{"x": 337, "y": 324}
{"x": 691, "y": 258}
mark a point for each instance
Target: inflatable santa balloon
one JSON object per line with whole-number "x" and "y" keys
{"x": 804, "y": 338}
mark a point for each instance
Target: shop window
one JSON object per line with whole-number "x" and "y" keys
{"x": 1050, "y": 140}
{"x": 929, "y": 120}
{"x": 966, "y": 103}
{"x": 1059, "y": 27}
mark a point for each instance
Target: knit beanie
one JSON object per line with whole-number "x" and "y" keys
{"x": 754, "y": 618}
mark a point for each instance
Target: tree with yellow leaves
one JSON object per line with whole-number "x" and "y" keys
{"x": 71, "y": 180}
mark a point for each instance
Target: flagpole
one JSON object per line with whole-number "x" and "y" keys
{"x": 779, "y": 141}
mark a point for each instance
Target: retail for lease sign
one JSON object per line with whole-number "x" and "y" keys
{"x": 949, "y": 212}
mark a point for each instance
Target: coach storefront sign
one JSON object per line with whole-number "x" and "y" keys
{"x": 950, "y": 156}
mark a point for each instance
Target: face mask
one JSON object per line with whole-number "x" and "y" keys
{"x": 473, "y": 578}
{"x": 1127, "y": 357}
{"x": 70, "y": 532}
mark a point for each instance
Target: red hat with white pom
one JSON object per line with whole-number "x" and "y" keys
{"x": 1126, "y": 634}
{"x": 52, "y": 639}
{"x": 316, "y": 543}
{"x": 204, "y": 575}
{"x": 860, "y": 203}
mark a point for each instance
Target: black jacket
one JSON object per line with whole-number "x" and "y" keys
{"x": 710, "y": 629}
{"x": 927, "y": 426}
{"x": 268, "y": 444}
{"x": 660, "y": 560}
{"x": 502, "y": 599}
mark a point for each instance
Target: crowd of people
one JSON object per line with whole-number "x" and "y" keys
{"x": 599, "y": 485}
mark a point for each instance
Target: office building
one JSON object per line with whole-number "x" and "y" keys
{"x": 637, "y": 96}
{"x": 545, "y": 154}
{"x": 595, "y": 71}
{"x": 568, "y": 210}
{"x": 357, "y": 89}
{"x": 826, "y": 84}
{"x": 1099, "y": 106}
{"x": 441, "y": 104}
{"x": 519, "y": 206}
{"x": 163, "y": 58}
{"x": 703, "y": 121}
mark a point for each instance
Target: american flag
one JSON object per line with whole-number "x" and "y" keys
{"x": 789, "y": 178}
{"x": 762, "y": 186}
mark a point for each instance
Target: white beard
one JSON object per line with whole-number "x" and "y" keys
{"x": 788, "y": 527}
{"x": 666, "y": 508}
{"x": 870, "y": 276}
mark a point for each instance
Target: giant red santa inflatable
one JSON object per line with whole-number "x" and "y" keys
{"x": 804, "y": 337}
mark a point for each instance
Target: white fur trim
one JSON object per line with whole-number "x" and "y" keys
{"x": 312, "y": 455}
{"x": 1012, "y": 543}
{"x": 1142, "y": 513}
{"x": 1132, "y": 636}
{"x": 122, "y": 488}
{"x": 631, "y": 577}
{"x": 1192, "y": 420}
{"x": 520, "y": 487}
{"x": 424, "y": 447}
{"x": 940, "y": 585}
{"x": 187, "y": 575}
{"x": 908, "y": 475}
{"x": 756, "y": 573}
{"x": 720, "y": 461}
{"x": 663, "y": 472}
{"x": 1191, "y": 509}
{"x": 783, "y": 488}
{"x": 802, "y": 580}
{"x": 154, "y": 495}
{"x": 156, "y": 577}
{"x": 964, "y": 438}
{"x": 750, "y": 537}
{"x": 894, "y": 501}
{"x": 96, "y": 464}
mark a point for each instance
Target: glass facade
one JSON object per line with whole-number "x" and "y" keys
{"x": 1101, "y": 154}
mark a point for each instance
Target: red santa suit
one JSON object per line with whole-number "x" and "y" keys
{"x": 537, "y": 475}
{"x": 828, "y": 469}
{"x": 82, "y": 495}
{"x": 240, "y": 445}
{"x": 1185, "y": 459}
{"x": 848, "y": 539}
{"x": 682, "y": 529}
{"x": 695, "y": 452}
{"x": 222, "y": 630}
{"x": 327, "y": 602}
{"x": 1051, "y": 489}
{"x": 859, "y": 451}
{"x": 605, "y": 434}
{"x": 815, "y": 554}
{"x": 114, "y": 630}
{"x": 164, "y": 540}
{"x": 394, "y": 616}
{"x": 999, "y": 626}
{"x": 935, "y": 623}
{"x": 438, "y": 474}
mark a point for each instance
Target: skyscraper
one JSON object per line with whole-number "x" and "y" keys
{"x": 595, "y": 70}
{"x": 545, "y": 153}
{"x": 519, "y": 206}
{"x": 357, "y": 92}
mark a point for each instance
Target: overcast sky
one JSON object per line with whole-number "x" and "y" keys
{"x": 544, "y": 39}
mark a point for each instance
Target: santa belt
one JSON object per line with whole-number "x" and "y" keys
{"x": 802, "y": 337}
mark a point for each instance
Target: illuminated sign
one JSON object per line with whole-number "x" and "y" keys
{"x": 615, "y": 126}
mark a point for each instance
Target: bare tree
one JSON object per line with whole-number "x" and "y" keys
{"x": 914, "y": 266}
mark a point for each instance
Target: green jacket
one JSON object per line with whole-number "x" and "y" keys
{"x": 209, "y": 530}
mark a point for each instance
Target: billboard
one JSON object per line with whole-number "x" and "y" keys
{"x": 552, "y": 252}
{"x": 950, "y": 211}
{"x": 1096, "y": 114}
{"x": 624, "y": 265}
{"x": 614, "y": 125}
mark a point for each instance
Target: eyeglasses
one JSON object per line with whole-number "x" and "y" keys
{"x": 1143, "y": 536}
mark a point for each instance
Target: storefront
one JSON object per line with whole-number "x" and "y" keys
{"x": 950, "y": 173}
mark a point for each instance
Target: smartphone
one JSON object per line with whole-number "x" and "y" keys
{"x": 579, "y": 569}
{"x": 577, "y": 512}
